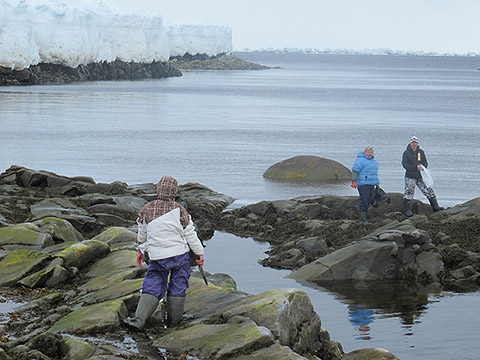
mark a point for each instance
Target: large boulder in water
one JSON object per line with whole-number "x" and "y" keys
{"x": 305, "y": 167}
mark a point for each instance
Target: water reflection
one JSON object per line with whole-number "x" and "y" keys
{"x": 367, "y": 301}
{"x": 361, "y": 317}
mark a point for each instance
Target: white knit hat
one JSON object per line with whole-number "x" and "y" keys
{"x": 414, "y": 139}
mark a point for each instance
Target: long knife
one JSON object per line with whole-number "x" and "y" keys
{"x": 200, "y": 268}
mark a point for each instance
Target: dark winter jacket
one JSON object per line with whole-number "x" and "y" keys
{"x": 411, "y": 160}
{"x": 367, "y": 170}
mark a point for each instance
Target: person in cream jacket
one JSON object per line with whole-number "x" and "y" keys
{"x": 166, "y": 234}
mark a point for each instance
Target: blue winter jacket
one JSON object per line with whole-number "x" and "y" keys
{"x": 367, "y": 170}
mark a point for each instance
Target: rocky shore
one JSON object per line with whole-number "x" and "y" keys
{"x": 44, "y": 74}
{"x": 67, "y": 248}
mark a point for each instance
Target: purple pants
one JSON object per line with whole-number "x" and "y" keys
{"x": 156, "y": 280}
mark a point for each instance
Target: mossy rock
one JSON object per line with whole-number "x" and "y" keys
{"x": 217, "y": 341}
{"x": 18, "y": 264}
{"x": 113, "y": 262}
{"x": 106, "y": 280}
{"x": 115, "y": 267}
{"x": 114, "y": 291}
{"x": 283, "y": 311}
{"x": 61, "y": 230}
{"x": 370, "y": 354}
{"x": 99, "y": 318}
{"x": 310, "y": 168}
{"x": 26, "y": 234}
{"x": 83, "y": 253}
{"x": 117, "y": 237}
{"x": 273, "y": 352}
{"x": 75, "y": 349}
{"x": 51, "y": 275}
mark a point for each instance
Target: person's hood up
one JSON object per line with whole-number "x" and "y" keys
{"x": 361, "y": 154}
{"x": 167, "y": 188}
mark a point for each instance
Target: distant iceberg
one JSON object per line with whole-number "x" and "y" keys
{"x": 380, "y": 51}
{"x": 78, "y": 32}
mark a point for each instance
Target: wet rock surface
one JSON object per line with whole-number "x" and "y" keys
{"x": 78, "y": 277}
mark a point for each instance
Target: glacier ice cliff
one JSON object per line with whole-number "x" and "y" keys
{"x": 76, "y": 32}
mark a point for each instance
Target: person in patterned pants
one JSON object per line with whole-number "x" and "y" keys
{"x": 413, "y": 160}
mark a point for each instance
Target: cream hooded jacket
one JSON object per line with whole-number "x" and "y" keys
{"x": 165, "y": 237}
{"x": 165, "y": 228}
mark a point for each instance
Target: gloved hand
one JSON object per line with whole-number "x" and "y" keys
{"x": 200, "y": 260}
{"x": 140, "y": 258}
{"x": 354, "y": 184}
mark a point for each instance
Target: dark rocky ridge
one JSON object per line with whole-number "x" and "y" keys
{"x": 218, "y": 62}
{"x": 44, "y": 74}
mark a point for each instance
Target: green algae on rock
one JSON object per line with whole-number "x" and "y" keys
{"x": 306, "y": 167}
{"x": 18, "y": 264}
{"x": 92, "y": 319}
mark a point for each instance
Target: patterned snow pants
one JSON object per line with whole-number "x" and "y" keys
{"x": 410, "y": 188}
{"x": 156, "y": 281}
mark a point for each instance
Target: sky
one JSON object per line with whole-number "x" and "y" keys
{"x": 443, "y": 26}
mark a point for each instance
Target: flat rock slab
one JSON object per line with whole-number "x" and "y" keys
{"x": 83, "y": 253}
{"x": 274, "y": 352}
{"x": 99, "y": 318}
{"x": 18, "y": 264}
{"x": 217, "y": 341}
{"x": 118, "y": 238}
{"x": 59, "y": 229}
{"x": 364, "y": 260}
{"x": 59, "y": 208}
{"x": 24, "y": 235}
{"x": 114, "y": 291}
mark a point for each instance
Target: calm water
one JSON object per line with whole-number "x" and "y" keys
{"x": 224, "y": 129}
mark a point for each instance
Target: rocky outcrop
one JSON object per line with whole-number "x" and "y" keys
{"x": 305, "y": 167}
{"x": 82, "y": 288}
{"x": 83, "y": 316}
{"x": 323, "y": 235}
{"x": 218, "y": 62}
{"x": 56, "y": 202}
{"x": 44, "y": 73}
{"x": 396, "y": 252}
{"x": 60, "y": 246}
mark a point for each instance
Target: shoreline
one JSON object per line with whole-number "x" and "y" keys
{"x": 55, "y": 74}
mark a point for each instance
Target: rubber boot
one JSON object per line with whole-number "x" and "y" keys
{"x": 146, "y": 307}
{"x": 362, "y": 218}
{"x": 406, "y": 208}
{"x": 175, "y": 306}
{"x": 434, "y": 203}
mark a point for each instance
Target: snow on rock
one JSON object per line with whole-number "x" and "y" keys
{"x": 74, "y": 32}
{"x": 199, "y": 39}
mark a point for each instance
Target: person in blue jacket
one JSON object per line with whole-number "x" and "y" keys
{"x": 364, "y": 179}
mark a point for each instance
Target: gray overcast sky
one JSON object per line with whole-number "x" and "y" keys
{"x": 429, "y": 25}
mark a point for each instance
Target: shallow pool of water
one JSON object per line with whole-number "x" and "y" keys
{"x": 411, "y": 323}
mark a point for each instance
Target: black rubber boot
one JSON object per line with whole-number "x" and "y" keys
{"x": 406, "y": 208}
{"x": 146, "y": 307}
{"x": 362, "y": 218}
{"x": 175, "y": 306}
{"x": 434, "y": 203}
